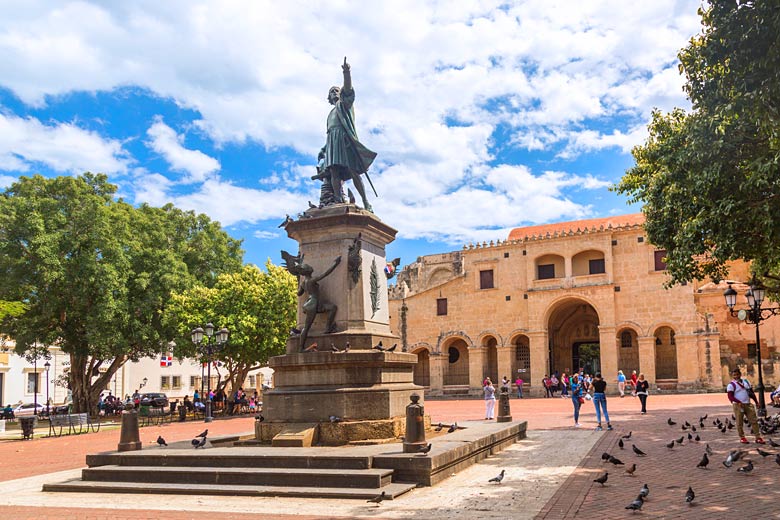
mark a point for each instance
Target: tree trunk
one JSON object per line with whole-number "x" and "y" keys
{"x": 86, "y": 393}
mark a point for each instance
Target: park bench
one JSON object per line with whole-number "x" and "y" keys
{"x": 76, "y": 423}
{"x": 154, "y": 415}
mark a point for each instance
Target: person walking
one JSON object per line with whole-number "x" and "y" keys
{"x": 740, "y": 393}
{"x": 564, "y": 385}
{"x": 600, "y": 400}
{"x": 576, "y": 399}
{"x": 634, "y": 379}
{"x": 640, "y": 389}
{"x": 621, "y": 383}
{"x": 546, "y": 384}
{"x": 490, "y": 399}
{"x": 519, "y": 385}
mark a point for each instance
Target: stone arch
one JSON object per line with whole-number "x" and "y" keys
{"x": 521, "y": 358}
{"x": 557, "y": 271}
{"x": 438, "y": 276}
{"x": 573, "y": 335}
{"x": 446, "y": 336}
{"x": 665, "y": 353}
{"x": 489, "y": 344}
{"x": 422, "y": 344}
{"x": 581, "y": 262}
{"x": 490, "y": 332}
{"x": 627, "y": 339}
{"x": 422, "y": 370}
{"x": 456, "y": 362}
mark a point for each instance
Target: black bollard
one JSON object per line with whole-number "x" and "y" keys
{"x": 182, "y": 413}
{"x": 415, "y": 426}
{"x": 129, "y": 436}
{"x": 504, "y": 415}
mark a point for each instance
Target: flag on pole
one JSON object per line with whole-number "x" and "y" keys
{"x": 166, "y": 361}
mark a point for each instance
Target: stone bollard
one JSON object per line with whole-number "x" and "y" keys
{"x": 129, "y": 436}
{"x": 415, "y": 426}
{"x": 182, "y": 413}
{"x": 504, "y": 415}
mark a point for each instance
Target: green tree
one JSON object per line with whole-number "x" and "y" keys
{"x": 710, "y": 179}
{"x": 95, "y": 273}
{"x": 257, "y": 307}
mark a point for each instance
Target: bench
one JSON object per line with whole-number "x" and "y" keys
{"x": 154, "y": 415}
{"x": 77, "y": 423}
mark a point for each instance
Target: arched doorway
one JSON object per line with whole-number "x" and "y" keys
{"x": 490, "y": 345}
{"x": 573, "y": 335}
{"x": 422, "y": 370}
{"x": 521, "y": 361}
{"x": 456, "y": 366}
{"x": 628, "y": 352}
{"x": 665, "y": 354}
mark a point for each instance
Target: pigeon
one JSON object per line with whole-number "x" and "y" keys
{"x": 334, "y": 419}
{"x": 730, "y": 426}
{"x": 693, "y": 429}
{"x": 260, "y": 418}
{"x": 747, "y": 468}
{"x": 687, "y": 424}
{"x": 683, "y": 427}
{"x": 620, "y": 444}
{"x": 605, "y": 456}
{"x": 498, "y": 478}
{"x": 773, "y": 443}
{"x": 452, "y": 428}
{"x": 346, "y": 347}
{"x": 161, "y": 442}
{"x": 295, "y": 331}
{"x": 762, "y": 452}
{"x": 287, "y": 220}
{"x": 379, "y": 347}
{"x": 731, "y": 459}
{"x": 777, "y": 459}
{"x": 689, "y": 495}
{"x": 707, "y": 449}
{"x": 670, "y": 445}
{"x": 704, "y": 418}
{"x": 631, "y": 470}
{"x": 392, "y": 349}
{"x": 733, "y": 418}
{"x": 602, "y": 479}
{"x": 638, "y": 451}
{"x": 680, "y": 440}
{"x": 311, "y": 206}
{"x": 701, "y": 424}
{"x": 627, "y": 436}
{"x": 670, "y": 422}
{"x": 616, "y": 461}
{"x": 378, "y": 499}
{"x": 203, "y": 434}
{"x": 697, "y": 438}
{"x": 333, "y": 347}
{"x": 636, "y": 505}
{"x": 199, "y": 443}
{"x": 425, "y": 449}
{"x": 644, "y": 492}
{"x": 705, "y": 460}
{"x": 690, "y": 437}
{"x": 439, "y": 427}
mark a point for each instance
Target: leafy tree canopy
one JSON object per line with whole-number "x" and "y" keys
{"x": 95, "y": 273}
{"x": 258, "y": 308}
{"x": 710, "y": 179}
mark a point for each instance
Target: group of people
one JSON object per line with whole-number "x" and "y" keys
{"x": 110, "y": 405}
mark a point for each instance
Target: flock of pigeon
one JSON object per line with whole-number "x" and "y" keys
{"x": 693, "y": 434}
{"x": 314, "y": 347}
{"x": 198, "y": 442}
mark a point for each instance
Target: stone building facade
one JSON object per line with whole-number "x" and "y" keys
{"x": 556, "y": 297}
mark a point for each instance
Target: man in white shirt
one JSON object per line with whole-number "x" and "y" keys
{"x": 740, "y": 393}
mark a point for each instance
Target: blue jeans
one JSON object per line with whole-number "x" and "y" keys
{"x": 575, "y": 401}
{"x": 600, "y": 402}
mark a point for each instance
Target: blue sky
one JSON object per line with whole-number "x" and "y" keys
{"x": 486, "y": 115}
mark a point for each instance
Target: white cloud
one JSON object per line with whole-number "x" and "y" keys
{"x": 165, "y": 141}
{"x": 63, "y": 147}
{"x": 265, "y": 235}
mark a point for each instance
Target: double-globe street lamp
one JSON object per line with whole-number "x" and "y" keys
{"x": 214, "y": 343}
{"x": 754, "y": 314}
{"x": 47, "y": 366}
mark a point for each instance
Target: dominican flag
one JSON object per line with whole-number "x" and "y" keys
{"x": 166, "y": 361}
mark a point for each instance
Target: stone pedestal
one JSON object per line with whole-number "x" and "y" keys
{"x": 129, "y": 436}
{"x": 504, "y": 414}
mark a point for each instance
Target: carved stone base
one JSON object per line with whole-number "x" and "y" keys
{"x": 357, "y": 341}
{"x": 328, "y": 434}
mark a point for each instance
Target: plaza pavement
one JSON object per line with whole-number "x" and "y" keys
{"x": 549, "y": 475}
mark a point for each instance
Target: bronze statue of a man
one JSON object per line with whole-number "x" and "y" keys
{"x": 344, "y": 157}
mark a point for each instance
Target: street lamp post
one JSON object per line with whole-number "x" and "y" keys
{"x": 47, "y": 366}
{"x": 754, "y": 314}
{"x": 35, "y": 385}
{"x": 143, "y": 383}
{"x": 214, "y": 343}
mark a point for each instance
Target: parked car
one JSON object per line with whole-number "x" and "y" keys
{"x": 29, "y": 409}
{"x": 154, "y": 399}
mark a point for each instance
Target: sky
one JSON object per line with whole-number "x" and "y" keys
{"x": 485, "y": 115}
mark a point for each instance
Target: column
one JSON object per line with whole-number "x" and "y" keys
{"x": 436, "y": 366}
{"x": 477, "y": 356}
{"x": 647, "y": 358}
{"x": 504, "y": 355}
{"x": 537, "y": 342}
{"x": 608, "y": 355}
{"x": 687, "y": 359}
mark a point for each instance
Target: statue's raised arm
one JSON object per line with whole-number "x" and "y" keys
{"x": 347, "y": 75}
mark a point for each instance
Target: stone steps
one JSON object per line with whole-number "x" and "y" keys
{"x": 221, "y": 458}
{"x": 229, "y": 476}
{"x": 80, "y": 486}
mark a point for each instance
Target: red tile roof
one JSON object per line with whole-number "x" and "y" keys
{"x": 560, "y": 227}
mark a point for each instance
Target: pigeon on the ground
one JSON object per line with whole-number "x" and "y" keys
{"x": 452, "y": 428}
{"x": 498, "y": 478}
{"x": 627, "y": 436}
{"x": 602, "y": 479}
{"x": 616, "y": 461}
{"x": 631, "y": 470}
{"x": 670, "y": 422}
{"x": 425, "y": 449}
{"x": 773, "y": 443}
{"x": 683, "y": 427}
{"x": 690, "y": 437}
{"x": 636, "y": 505}
{"x": 747, "y": 468}
{"x": 161, "y": 442}
{"x": 644, "y": 492}
{"x": 438, "y": 428}
{"x": 260, "y": 418}
{"x": 670, "y": 445}
{"x": 620, "y": 443}
{"x": 689, "y": 495}
{"x": 707, "y": 449}
{"x": 705, "y": 460}
{"x": 638, "y": 451}
{"x": 762, "y": 452}
{"x": 680, "y": 440}
{"x": 704, "y": 417}
{"x": 693, "y": 429}
{"x": 378, "y": 499}
{"x": 199, "y": 443}
{"x": 204, "y": 433}
{"x": 605, "y": 456}
{"x": 697, "y": 438}
{"x": 777, "y": 459}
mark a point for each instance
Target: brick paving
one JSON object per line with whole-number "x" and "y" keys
{"x": 720, "y": 492}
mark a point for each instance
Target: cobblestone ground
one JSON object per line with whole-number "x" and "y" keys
{"x": 719, "y": 492}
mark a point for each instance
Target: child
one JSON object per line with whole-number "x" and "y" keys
{"x": 252, "y": 404}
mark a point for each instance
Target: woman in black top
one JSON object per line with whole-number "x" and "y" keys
{"x": 600, "y": 400}
{"x": 641, "y": 391}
